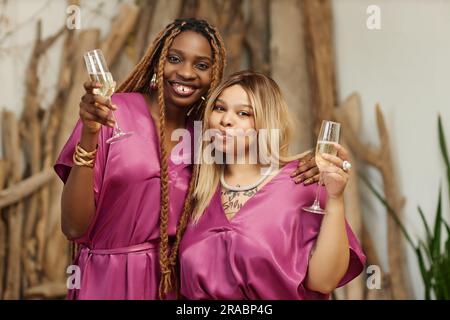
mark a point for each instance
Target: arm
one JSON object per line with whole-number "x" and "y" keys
{"x": 330, "y": 258}
{"x": 77, "y": 201}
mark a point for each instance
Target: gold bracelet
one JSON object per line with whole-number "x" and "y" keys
{"x": 81, "y": 162}
{"x": 83, "y": 153}
{"x": 84, "y": 158}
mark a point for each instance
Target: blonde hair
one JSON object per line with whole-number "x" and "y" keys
{"x": 270, "y": 112}
{"x": 138, "y": 81}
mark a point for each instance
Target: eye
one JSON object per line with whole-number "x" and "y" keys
{"x": 173, "y": 59}
{"x": 203, "y": 66}
{"x": 244, "y": 114}
{"x": 218, "y": 108}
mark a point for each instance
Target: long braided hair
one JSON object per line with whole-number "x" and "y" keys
{"x": 153, "y": 62}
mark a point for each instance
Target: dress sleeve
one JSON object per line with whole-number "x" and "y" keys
{"x": 311, "y": 223}
{"x": 64, "y": 162}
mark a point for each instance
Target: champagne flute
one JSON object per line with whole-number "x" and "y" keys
{"x": 98, "y": 72}
{"x": 328, "y": 137}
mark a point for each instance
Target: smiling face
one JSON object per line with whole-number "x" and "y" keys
{"x": 188, "y": 69}
{"x": 232, "y": 115}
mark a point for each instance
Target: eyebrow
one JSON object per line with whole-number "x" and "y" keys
{"x": 180, "y": 52}
{"x": 239, "y": 105}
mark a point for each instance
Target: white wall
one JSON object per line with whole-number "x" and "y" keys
{"x": 405, "y": 67}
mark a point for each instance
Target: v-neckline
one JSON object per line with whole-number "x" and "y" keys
{"x": 155, "y": 129}
{"x": 219, "y": 191}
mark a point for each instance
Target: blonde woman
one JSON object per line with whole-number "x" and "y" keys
{"x": 249, "y": 238}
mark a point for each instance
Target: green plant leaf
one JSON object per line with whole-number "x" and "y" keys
{"x": 443, "y": 146}
{"x": 427, "y": 228}
{"x": 427, "y": 248}
{"x": 443, "y": 143}
{"x": 447, "y": 242}
{"x": 425, "y": 275}
{"x": 436, "y": 241}
{"x": 389, "y": 209}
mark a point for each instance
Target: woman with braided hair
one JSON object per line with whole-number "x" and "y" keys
{"x": 127, "y": 204}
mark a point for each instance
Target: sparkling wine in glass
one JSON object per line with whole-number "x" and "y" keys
{"x": 99, "y": 72}
{"x": 328, "y": 137}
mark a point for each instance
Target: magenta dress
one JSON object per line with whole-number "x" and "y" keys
{"x": 119, "y": 252}
{"x": 263, "y": 252}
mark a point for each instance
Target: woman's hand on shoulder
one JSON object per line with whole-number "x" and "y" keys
{"x": 307, "y": 171}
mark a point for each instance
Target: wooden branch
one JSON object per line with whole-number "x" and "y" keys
{"x": 381, "y": 158}
{"x": 189, "y": 9}
{"x": 362, "y": 151}
{"x": 12, "y": 153}
{"x": 257, "y": 37}
{"x": 25, "y": 188}
{"x": 47, "y": 43}
{"x": 123, "y": 24}
{"x": 54, "y": 120}
{"x": 49, "y": 290}
{"x": 296, "y": 85}
{"x": 355, "y": 289}
{"x": 88, "y": 39}
{"x": 228, "y": 17}
{"x": 396, "y": 248}
{"x": 30, "y": 126}
{"x": 166, "y": 11}
{"x": 384, "y": 293}
{"x": 125, "y": 44}
{"x": 3, "y": 234}
{"x": 319, "y": 44}
{"x": 145, "y": 22}
{"x": 55, "y": 240}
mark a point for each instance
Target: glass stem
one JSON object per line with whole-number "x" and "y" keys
{"x": 316, "y": 201}
{"x": 116, "y": 124}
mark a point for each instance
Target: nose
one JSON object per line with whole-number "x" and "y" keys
{"x": 186, "y": 71}
{"x": 226, "y": 120}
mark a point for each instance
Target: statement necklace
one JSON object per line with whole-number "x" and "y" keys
{"x": 244, "y": 188}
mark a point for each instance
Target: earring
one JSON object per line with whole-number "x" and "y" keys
{"x": 197, "y": 107}
{"x": 153, "y": 83}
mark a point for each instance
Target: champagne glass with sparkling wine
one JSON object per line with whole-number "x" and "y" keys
{"x": 99, "y": 72}
{"x": 328, "y": 137}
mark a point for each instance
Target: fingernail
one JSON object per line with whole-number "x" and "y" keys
{"x": 114, "y": 107}
{"x": 308, "y": 181}
{"x": 298, "y": 179}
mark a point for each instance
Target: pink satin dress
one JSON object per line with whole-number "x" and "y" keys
{"x": 263, "y": 252}
{"x": 119, "y": 256}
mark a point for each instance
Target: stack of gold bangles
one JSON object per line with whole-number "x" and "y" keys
{"x": 83, "y": 158}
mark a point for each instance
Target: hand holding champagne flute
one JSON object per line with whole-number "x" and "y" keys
{"x": 326, "y": 144}
{"x": 98, "y": 72}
